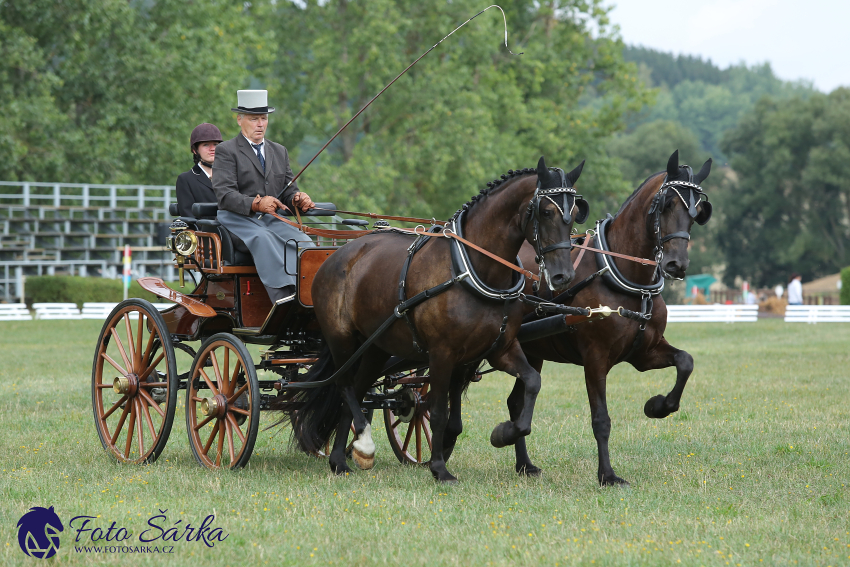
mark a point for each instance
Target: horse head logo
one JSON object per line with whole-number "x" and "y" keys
{"x": 38, "y": 532}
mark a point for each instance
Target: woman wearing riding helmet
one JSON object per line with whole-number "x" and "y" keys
{"x": 195, "y": 185}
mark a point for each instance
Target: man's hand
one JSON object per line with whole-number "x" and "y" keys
{"x": 267, "y": 204}
{"x": 303, "y": 202}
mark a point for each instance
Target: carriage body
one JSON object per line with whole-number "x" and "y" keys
{"x": 145, "y": 359}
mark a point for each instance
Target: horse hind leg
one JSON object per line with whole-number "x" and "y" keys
{"x": 363, "y": 447}
{"x": 664, "y": 356}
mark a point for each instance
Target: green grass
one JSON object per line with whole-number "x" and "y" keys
{"x": 752, "y": 471}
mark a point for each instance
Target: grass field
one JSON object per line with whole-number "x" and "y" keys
{"x": 752, "y": 471}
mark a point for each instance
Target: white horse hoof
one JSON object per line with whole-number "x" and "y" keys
{"x": 363, "y": 462}
{"x": 363, "y": 449}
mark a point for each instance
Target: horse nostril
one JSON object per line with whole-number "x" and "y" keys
{"x": 672, "y": 267}
{"x": 559, "y": 279}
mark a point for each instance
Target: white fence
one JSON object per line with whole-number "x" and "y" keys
{"x": 14, "y": 312}
{"x": 738, "y": 313}
{"x": 817, "y": 314}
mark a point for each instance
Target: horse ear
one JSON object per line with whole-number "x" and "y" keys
{"x": 703, "y": 173}
{"x": 541, "y": 168}
{"x": 673, "y": 165}
{"x": 574, "y": 174}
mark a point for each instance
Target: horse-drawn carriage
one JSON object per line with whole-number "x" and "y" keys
{"x": 136, "y": 380}
{"x": 136, "y": 383}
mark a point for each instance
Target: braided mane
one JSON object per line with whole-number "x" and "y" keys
{"x": 491, "y": 186}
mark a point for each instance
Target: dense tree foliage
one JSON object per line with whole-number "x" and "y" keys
{"x": 789, "y": 209}
{"x": 108, "y": 90}
{"x": 704, "y": 98}
{"x": 463, "y": 115}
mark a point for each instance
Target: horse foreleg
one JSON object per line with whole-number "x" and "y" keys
{"x": 438, "y": 397}
{"x": 663, "y": 356}
{"x": 454, "y": 426}
{"x": 512, "y": 360}
{"x": 595, "y": 379}
{"x": 524, "y": 466}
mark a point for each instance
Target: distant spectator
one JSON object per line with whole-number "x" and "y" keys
{"x": 779, "y": 290}
{"x": 795, "y": 290}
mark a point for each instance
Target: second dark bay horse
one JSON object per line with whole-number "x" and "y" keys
{"x": 475, "y": 316}
{"x": 654, "y": 223}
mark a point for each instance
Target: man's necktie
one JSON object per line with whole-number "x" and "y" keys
{"x": 260, "y": 155}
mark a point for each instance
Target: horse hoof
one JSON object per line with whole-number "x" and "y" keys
{"x": 340, "y": 470}
{"x": 503, "y": 435}
{"x": 529, "y": 470}
{"x": 363, "y": 461}
{"x": 655, "y": 408}
{"x": 614, "y": 481}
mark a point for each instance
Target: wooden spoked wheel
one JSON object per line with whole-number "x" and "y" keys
{"x": 134, "y": 383}
{"x": 223, "y": 404}
{"x": 411, "y": 439}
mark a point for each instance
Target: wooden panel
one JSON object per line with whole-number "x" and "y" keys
{"x": 254, "y": 301}
{"x": 309, "y": 262}
{"x": 220, "y": 294}
{"x": 157, "y": 287}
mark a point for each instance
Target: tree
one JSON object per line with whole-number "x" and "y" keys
{"x": 790, "y": 207}
{"x": 465, "y": 114}
{"x": 116, "y": 86}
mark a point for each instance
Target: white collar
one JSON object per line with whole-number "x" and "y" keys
{"x": 253, "y": 144}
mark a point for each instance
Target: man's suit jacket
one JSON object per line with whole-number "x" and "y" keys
{"x": 238, "y": 176}
{"x": 193, "y": 186}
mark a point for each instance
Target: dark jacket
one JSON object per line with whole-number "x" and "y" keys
{"x": 193, "y": 186}
{"x": 238, "y": 176}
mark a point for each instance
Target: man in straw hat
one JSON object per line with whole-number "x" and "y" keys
{"x": 249, "y": 176}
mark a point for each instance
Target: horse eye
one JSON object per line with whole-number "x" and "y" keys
{"x": 547, "y": 213}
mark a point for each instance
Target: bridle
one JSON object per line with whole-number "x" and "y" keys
{"x": 659, "y": 203}
{"x": 532, "y": 213}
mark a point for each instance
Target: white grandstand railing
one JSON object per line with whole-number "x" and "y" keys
{"x": 36, "y": 193}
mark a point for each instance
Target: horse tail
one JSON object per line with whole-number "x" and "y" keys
{"x": 313, "y": 413}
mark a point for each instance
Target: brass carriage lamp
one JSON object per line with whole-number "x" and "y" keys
{"x": 182, "y": 242}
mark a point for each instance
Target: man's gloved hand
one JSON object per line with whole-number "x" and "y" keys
{"x": 303, "y": 201}
{"x": 267, "y": 204}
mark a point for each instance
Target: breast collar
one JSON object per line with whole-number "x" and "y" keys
{"x": 462, "y": 265}
{"x": 612, "y": 277}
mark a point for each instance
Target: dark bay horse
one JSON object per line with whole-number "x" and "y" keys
{"x": 654, "y": 223}
{"x": 357, "y": 291}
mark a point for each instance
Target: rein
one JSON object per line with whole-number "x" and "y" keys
{"x": 386, "y": 217}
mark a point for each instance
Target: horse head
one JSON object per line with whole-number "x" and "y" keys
{"x": 553, "y": 210}
{"x": 677, "y": 204}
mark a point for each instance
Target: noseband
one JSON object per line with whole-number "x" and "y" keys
{"x": 659, "y": 201}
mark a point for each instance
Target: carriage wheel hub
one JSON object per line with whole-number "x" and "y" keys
{"x": 411, "y": 402}
{"x": 215, "y": 406}
{"x": 126, "y": 385}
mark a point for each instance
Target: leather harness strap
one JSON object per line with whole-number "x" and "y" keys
{"x": 643, "y": 261}
{"x": 387, "y": 217}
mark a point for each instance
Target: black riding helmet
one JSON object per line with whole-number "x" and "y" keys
{"x": 205, "y": 132}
